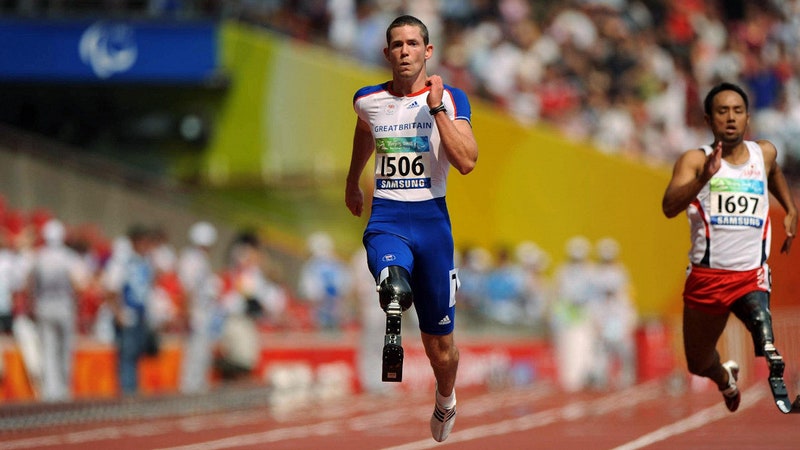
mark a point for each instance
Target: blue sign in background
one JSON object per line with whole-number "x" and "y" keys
{"x": 106, "y": 50}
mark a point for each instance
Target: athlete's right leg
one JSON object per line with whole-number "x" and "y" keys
{"x": 701, "y": 331}
{"x": 394, "y": 293}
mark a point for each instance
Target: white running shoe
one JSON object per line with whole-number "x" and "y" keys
{"x": 442, "y": 422}
{"x": 731, "y": 394}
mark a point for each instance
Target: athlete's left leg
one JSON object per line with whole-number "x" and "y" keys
{"x": 437, "y": 324}
{"x": 753, "y": 310}
{"x": 443, "y": 355}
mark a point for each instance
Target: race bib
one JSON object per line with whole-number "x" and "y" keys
{"x": 737, "y": 202}
{"x": 403, "y": 163}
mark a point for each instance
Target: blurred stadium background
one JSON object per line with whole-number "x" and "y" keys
{"x": 112, "y": 112}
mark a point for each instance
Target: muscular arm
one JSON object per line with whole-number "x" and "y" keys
{"x": 691, "y": 172}
{"x": 458, "y": 141}
{"x": 363, "y": 146}
{"x": 779, "y": 188}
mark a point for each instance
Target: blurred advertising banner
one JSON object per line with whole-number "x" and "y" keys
{"x": 107, "y": 51}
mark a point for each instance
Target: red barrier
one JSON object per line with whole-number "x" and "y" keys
{"x": 321, "y": 363}
{"x": 654, "y": 350}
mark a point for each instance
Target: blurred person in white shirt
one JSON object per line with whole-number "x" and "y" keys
{"x": 324, "y": 282}
{"x": 615, "y": 317}
{"x": 57, "y": 274}
{"x": 202, "y": 287}
{"x": 10, "y": 281}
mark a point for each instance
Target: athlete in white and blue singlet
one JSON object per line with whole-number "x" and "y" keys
{"x": 417, "y": 127}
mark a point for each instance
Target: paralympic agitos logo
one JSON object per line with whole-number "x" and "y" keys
{"x": 108, "y": 48}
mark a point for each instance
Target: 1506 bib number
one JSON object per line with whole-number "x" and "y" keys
{"x": 402, "y": 165}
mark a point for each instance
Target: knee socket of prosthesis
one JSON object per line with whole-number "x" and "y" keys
{"x": 753, "y": 311}
{"x": 395, "y": 285}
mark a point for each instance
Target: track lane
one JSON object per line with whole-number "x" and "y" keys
{"x": 649, "y": 415}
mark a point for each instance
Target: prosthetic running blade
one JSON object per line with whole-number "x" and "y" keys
{"x": 780, "y": 394}
{"x": 392, "y": 346}
{"x": 778, "y": 387}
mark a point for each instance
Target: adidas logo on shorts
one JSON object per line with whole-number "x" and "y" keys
{"x": 445, "y": 321}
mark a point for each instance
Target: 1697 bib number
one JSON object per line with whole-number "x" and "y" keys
{"x": 737, "y": 204}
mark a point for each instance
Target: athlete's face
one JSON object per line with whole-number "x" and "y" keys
{"x": 407, "y": 51}
{"x": 729, "y": 117}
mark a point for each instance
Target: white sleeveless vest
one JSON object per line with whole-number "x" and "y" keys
{"x": 729, "y": 219}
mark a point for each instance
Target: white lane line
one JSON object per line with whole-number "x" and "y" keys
{"x": 483, "y": 403}
{"x": 621, "y": 400}
{"x": 191, "y": 424}
{"x": 695, "y": 421}
{"x": 146, "y": 428}
{"x": 371, "y": 421}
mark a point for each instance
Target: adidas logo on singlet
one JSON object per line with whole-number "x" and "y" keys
{"x": 413, "y": 105}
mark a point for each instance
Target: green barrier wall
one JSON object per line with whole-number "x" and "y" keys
{"x": 288, "y": 114}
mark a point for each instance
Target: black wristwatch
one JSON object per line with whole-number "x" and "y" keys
{"x": 438, "y": 109}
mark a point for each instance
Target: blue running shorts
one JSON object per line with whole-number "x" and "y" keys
{"x": 417, "y": 236}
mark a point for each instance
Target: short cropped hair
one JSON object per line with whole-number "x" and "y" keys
{"x": 724, "y": 86}
{"x": 407, "y": 20}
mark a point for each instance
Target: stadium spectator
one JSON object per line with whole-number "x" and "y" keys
{"x": 615, "y": 318}
{"x": 571, "y": 322}
{"x": 506, "y": 290}
{"x": 324, "y": 282}
{"x": 56, "y": 277}
{"x": 10, "y": 281}
{"x": 537, "y": 297}
{"x": 110, "y": 280}
{"x": 169, "y": 296}
{"x": 129, "y": 299}
{"x": 475, "y": 264}
{"x": 202, "y": 287}
{"x": 248, "y": 297}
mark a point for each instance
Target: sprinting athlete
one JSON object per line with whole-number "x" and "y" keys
{"x": 417, "y": 127}
{"x": 724, "y": 190}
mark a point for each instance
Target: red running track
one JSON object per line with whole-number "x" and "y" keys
{"x": 653, "y": 415}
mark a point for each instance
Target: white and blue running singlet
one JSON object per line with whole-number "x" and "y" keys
{"x": 408, "y": 163}
{"x": 729, "y": 219}
{"x": 409, "y": 225}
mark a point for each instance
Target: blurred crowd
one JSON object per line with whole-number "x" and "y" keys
{"x": 60, "y": 282}
{"x": 584, "y": 305}
{"x": 626, "y": 75}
